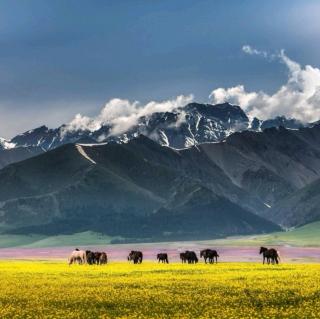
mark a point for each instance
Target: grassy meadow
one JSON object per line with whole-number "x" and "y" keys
{"x": 34, "y": 289}
{"x": 308, "y": 235}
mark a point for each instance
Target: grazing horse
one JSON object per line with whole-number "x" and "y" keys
{"x": 189, "y": 256}
{"x": 136, "y": 256}
{"x": 90, "y": 257}
{"x": 183, "y": 257}
{"x": 103, "y": 259}
{"x": 270, "y": 254}
{"x": 210, "y": 254}
{"x": 163, "y": 257}
{"x": 97, "y": 255}
{"x": 78, "y": 255}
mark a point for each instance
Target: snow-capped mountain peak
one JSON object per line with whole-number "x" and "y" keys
{"x": 186, "y": 126}
{"x": 5, "y": 144}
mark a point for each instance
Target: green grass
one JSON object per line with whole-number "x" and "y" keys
{"x": 38, "y": 241}
{"x": 18, "y": 240}
{"x": 308, "y": 235}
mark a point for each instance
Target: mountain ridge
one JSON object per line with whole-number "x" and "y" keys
{"x": 135, "y": 185}
{"x": 196, "y": 123}
{"x": 67, "y": 190}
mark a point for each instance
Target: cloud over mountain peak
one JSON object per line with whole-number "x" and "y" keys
{"x": 298, "y": 98}
{"x": 121, "y": 115}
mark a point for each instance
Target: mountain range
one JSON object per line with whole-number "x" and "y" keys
{"x": 202, "y": 171}
{"x": 191, "y": 125}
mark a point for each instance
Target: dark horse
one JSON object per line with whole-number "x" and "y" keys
{"x": 163, "y": 257}
{"x": 183, "y": 257}
{"x": 90, "y": 257}
{"x": 210, "y": 254}
{"x": 96, "y": 258}
{"x": 136, "y": 256}
{"x": 270, "y": 254}
{"x": 189, "y": 256}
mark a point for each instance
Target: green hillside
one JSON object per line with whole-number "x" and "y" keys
{"x": 38, "y": 241}
{"x": 308, "y": 235}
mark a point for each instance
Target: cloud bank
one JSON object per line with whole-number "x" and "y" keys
{"x": 298, "y": 98}
{"x": 121, "y": 115}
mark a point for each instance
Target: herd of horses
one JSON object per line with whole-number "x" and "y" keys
{"x": 88, "y": 257}
{"x": 209, "y": 255}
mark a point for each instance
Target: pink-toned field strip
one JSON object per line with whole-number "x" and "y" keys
{"x": 120, "y": 252}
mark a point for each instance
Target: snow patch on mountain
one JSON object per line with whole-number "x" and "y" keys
{"x": 5, "y": 144}
{"x": 84, "y": 154}
{"x": 181, "y": 127}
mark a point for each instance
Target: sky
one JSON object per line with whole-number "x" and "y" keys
{"x": 103, "y": 59}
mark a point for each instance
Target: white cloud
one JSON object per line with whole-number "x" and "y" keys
{"x": 122, "y": 115}
{"x": 250, "y": 50}
{"x": 298, "y": 98}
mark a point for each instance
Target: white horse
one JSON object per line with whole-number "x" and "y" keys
{"x": 78, "y": 255}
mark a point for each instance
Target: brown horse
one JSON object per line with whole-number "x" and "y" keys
{"x": 103, "y": 259}
{"x": 97, "y": 255}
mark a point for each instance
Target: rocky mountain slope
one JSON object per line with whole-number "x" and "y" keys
{"x": 298, "y": 208}
{"x": 171, "y": 182}
{"x": 191, "y": 125}
{"x": 12, "y": 155}
{"x": 136, "y": 190}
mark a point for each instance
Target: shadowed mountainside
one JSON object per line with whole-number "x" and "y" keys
{"x": 137, "y": 190}
{"x": 141, "y": 189}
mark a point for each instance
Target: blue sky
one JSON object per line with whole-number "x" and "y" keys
{"x": 59, "y": 58}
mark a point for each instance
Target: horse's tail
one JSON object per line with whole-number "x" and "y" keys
{"x": 84, "y": 258}
{"x": 278, "y": 253}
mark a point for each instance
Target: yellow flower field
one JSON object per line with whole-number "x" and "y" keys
{"x": 151, "y": 290}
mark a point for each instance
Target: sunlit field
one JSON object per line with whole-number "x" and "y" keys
{"x": 151, "y": 290}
